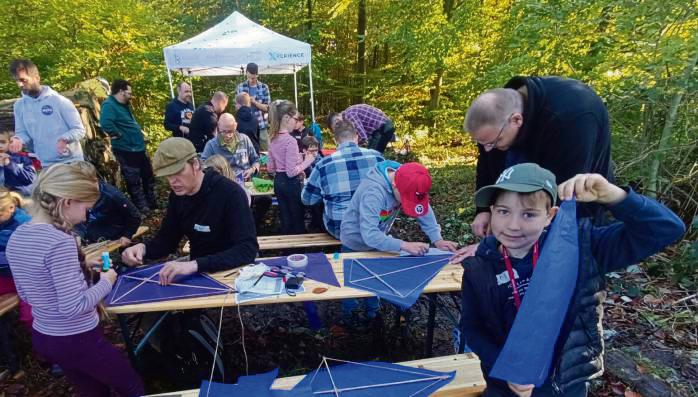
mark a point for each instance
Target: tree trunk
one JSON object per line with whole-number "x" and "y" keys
{"x": 653, "y": 182}
{"x": 435, "y": 91}
{"x": 309, "y": 22}
{"x": 361, "y": 48}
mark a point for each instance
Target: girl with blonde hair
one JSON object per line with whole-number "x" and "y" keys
{"x": 219, "y": 164}
{"x": 288, "y": 165}
{"x": 11, "y": 216}
{"x": 52, "y": 275}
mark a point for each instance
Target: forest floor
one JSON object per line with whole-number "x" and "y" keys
{"x": 648, "y": 316}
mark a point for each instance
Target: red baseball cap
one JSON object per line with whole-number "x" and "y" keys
{"x": 413, "y": 182}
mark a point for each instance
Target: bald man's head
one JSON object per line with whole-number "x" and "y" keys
{"x": 492, "y": 108}
{"x": 226, "y": 122}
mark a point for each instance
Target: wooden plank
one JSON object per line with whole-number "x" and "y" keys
{"x": 110, "y": 245}
{"x": 448, "y": 280}
{"x": 8, "y": 302}
{"x": 468, "y": 381}
{"x": 297, "y": 241}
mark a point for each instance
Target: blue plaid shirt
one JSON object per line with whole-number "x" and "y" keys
{"x": 262, "y": 96}
{"x": 335, "y": 179}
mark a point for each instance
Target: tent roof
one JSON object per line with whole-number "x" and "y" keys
{"x": 226, "y": 48}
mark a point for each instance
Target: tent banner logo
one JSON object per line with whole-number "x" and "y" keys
{"x": 278, "y": 56}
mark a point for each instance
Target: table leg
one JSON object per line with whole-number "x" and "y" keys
{"x": 126, "y": 335}
{"x": 431, "y": 320}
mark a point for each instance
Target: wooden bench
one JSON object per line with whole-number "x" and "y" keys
{"x": 468, "y": 381}
{"x": 296, "y": 241}
{"x": 8, "y": 302}
{"x": 288, "y": 241}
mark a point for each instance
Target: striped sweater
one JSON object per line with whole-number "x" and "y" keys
{"x": 45, "y": 266}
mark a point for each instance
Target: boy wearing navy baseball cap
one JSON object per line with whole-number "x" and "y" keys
{"x": 496, "y": 279}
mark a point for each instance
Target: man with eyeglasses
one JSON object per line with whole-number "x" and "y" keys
{"x": 237, "y": 148}
{"x": 128, "y": 146}
{"x": 560, "y": 124}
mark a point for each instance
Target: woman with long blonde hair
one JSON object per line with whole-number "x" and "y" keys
{"x": 288, "y": 166}
{"x": 52, "y": 276}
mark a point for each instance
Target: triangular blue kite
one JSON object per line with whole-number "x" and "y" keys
{"x": 528, "y": 352}
{"x": 142, "y": 285}
{"x": 398, "y": 280}
{"x": 373, "y": 378}
{"x": 253, "y": 385}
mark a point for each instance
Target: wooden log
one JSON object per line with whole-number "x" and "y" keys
{"x": 622, "y": 366}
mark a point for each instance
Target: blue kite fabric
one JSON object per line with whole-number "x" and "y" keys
{"x": 318, "y": 268}
{"x": 347, "y": 380}
{"x": 253, "y": 385}
{"x": 142, "y": 285}
{"x": 528, "y": 351}
{"x": 399, "y": 280}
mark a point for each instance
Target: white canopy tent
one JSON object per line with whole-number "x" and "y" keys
{"x": 228, "y": 47}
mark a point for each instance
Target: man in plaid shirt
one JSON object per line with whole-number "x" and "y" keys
{"x": 374, "y": 128}
{"x": 336, "y": 177}
{"x": 260, "y": 100}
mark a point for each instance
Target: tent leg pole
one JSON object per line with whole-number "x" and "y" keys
{"x": 191, "y": 84}
{"x": 312, "y": 100}
{"x": 169, "y": 77}
{"x": 295, "y": 86}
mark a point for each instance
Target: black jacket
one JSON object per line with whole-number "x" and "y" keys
{"x": 177, "y": 113}
{"x": 203, "y": 126}
{"x": 113, "y": 216}
{"x": 565, "y": 130}
{"x": 644, "y": 228}
{"x": 248, "y": 125}
{"x": 218, "y": 222}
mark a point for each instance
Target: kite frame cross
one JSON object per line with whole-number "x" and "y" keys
{"x": 375, "y": 275}
{"x": 149, "y": 279}
{"x": 336, "y": 391}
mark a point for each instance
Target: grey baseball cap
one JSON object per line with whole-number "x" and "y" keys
{"x": 521, "y": 178}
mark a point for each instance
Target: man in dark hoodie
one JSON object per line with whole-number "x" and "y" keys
{"x": 557, "y": 123}
{"x": 209, "y": 209}
{"x": 205, "y": 120}
{"x": 179, "y": 111}
{"x": 246, "y": 119}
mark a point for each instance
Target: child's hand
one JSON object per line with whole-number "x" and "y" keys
{"x": 521, "y": 390}
{"x": 464, "y": 252}
{"x": 446, "y": 245}
{"x": 124, "y": 241}
{"x": 414, "y": 248}
{"x": 110, "y": 275}
{"x": 591, "y": 188}
{"x": 15, "y": 144}
{"x": 4, "y": 159}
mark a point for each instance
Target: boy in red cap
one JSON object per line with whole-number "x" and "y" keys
{"x": 387, "y": 189}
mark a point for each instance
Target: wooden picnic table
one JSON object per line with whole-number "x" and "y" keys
{"x": 468, "y": 381}
{"x": 449, "y": 279}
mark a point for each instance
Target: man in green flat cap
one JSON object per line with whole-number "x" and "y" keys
{"x": 207, "y": 208}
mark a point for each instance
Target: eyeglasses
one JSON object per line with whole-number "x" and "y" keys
{"x": 493, "y": 143}
{"x": 297, "y": 117}
{"x": 226, "y": 132}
